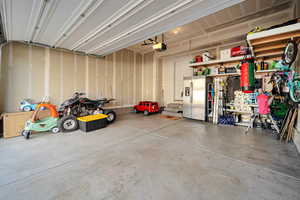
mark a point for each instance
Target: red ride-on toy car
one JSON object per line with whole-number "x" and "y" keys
{"x": 147, "y": 107}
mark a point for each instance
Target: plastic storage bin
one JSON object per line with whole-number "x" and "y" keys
{"x": 92, "y": 122}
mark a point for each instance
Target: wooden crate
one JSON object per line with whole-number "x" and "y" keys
{"x": 13, "y": 123}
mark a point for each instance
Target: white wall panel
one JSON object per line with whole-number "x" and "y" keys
{"x": 26, "y": 70}
{"x": 148, "y": 77}
{"x": 37, "y": 71}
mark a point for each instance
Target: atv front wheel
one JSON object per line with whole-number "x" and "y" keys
{"x": 111, "y": 116}
{"x": 68, "y": 123}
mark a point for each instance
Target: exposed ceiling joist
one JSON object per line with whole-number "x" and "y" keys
{"x": 99, "y": 26}
{"x": 45, "y": 12}
{"x": 157, "y": 17}
{"x": 78, "y": 17}
{"x": 108, "y": 23}
{"x": 212, "y": 9}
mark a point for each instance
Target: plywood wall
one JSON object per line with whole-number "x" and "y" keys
{"x": 148, "y": 85}
{"x": 35, "y": 72}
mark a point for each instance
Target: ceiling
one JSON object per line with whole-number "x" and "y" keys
{"x": 99, "y": 26}
{"x": 208, "y": 25}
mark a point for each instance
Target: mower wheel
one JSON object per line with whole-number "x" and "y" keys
{"x": 55, "y": 130}
{"x": 146, "y": 112}
{"x": 26, "y": 134}
{"x": 111, "y": 116}
{"x": 68, "y": 123}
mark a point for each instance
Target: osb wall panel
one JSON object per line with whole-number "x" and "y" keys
{"x": 35, "y": 72}
{"x": 125, "y": 74}
{"x": 91, "y": 78}
{"x": 55, "y": 79}
{"x": 130, "y": 78}
{"x": 148, "y": 77}
{"x": 109, "y": 74}
{"x": 100, "y": 70}
{"x": 3, "y": 76}
{"x": 80, "y": 73}
{"x": 18, "y": 75}
{"x": 68, "y": 74}
{"x": 138, "y": 75}
{"x": 124, "y": 86}
{"x": 125, "y": 77}
{"x": 118, "y": 68}
{"x": 159, "y": 92}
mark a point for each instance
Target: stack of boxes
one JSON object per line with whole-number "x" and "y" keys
{"x": 242, "y": 102}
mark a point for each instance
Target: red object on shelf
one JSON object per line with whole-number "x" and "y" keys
{"x": 247, "y": 76}
{"x": 198, "y": 59}
{"x": 239, "y": 51}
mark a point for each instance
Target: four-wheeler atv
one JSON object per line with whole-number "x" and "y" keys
{"x": 79, "y": 106}
{"x": 49, "y": 122}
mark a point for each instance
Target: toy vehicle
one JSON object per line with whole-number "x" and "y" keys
{"x": 147, "y": 107}
{"x": 27, "y": 105}
{"x": 49, "y": 122}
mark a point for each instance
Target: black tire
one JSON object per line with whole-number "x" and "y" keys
{"x": 26, "y": 134}
{"x": 112, "y": 116}
{"x": 290, "y": 53}
{"x": 146, "y": 112}
{"x": 68, "y": 123}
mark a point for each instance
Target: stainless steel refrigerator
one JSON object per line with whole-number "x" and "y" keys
{"x": 194, "y": 98}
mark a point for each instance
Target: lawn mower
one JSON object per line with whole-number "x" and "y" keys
{"x": 48, "y": 123}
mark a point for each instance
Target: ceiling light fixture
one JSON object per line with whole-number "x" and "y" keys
{"x": 176, "y": 30}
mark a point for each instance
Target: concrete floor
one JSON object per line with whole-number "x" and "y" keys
{"x": 145, "y": 158}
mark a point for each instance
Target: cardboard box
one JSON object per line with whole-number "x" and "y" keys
{"x": 13, "y": 123}
{"x": 225, "y": 54}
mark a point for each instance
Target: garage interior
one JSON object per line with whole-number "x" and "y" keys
{"x": 145, "y": 56}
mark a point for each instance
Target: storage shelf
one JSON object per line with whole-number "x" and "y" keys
{"x": 228, "y": 74}
{"x": 269, "y": 54}
{"x": 212, "y": 62}
{"x": 243, "y": 124}
{"x": 238, "y": 74}
{"x": 267, "y": 71}
{"x": 236, "y": 111}
{"x": 270, "y": 43}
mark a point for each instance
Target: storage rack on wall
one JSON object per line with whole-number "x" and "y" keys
{"x": 265, "y": 46}
{"x": 271, "y": 43}
{"x": 210, "y": 101}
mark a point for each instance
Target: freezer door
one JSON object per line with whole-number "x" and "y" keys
{"x": 198, "y": 98}
{"x": 187, "y": 98}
